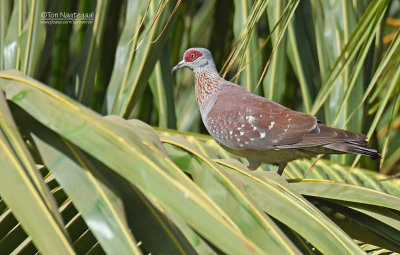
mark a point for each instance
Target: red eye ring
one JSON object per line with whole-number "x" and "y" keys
{"x": 192, "y": 55}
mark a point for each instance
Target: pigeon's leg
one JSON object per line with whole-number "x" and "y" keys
{"x": 253, "y": 164}
{"x": 281, "y": 168}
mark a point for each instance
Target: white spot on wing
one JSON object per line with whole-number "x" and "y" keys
{"x": 251, "y": 119}
{"x": 272, "y": 125}
{"x": 262, "y": 134}
{"x": 241, "y": 132}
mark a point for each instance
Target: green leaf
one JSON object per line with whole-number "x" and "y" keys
{"x": 346, "y": 192}
{"x": 5, "y": 12}
{"x": 92, "y": 59}
{"x": 25, "y": 37}
{"x": 30, "y": 196}
{"x": 275, "y": 78}
{"x": 124, "y": 53}
{"x": 246, "y": 215}
{"x": 161, "y": 87}
{"x": 246, "y": 15}
{"x": 100, "y": 207}
{"x": 358, "y": 37}
{"x": 275, "y": 196}
{"x": 121, "y": 97}
{"x": 151, "y": 173}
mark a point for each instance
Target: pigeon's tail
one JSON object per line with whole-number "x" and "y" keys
{"x": 336, "y": 140}
{"x": 354, "y": 147}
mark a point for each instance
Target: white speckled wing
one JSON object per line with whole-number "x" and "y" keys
{"x": 243, "y": 121}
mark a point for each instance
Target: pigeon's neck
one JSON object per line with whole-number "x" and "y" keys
{"x": 207, "y": 82}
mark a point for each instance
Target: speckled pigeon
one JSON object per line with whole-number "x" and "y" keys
{"x": 259, "y": 129}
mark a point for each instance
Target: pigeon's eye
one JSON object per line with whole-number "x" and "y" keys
{"x": 192, "y": 55}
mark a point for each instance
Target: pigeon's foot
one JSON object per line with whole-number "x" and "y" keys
{"x": 281, "y": 168}
{"x": 253, "y": 164}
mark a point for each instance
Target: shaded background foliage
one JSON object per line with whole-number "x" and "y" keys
{"x": 338, "y": 60}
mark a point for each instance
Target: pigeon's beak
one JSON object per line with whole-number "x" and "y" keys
{"x": 178, "y": 66}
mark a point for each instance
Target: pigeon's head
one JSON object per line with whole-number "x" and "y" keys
{"x": 197, "y": 59}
